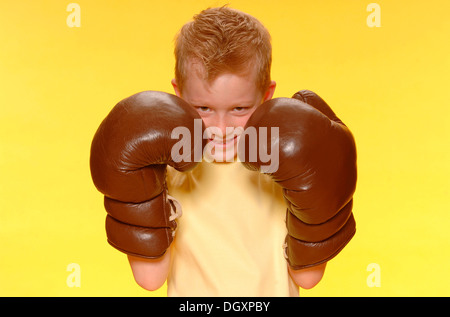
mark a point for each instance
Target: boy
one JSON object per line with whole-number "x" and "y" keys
{"x": 223, "y": 61}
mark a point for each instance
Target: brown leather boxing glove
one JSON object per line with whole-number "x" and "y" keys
{"x": 316, "y": 169}
{"x": 129, "y": 155}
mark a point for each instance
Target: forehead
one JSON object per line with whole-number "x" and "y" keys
{"x": 225, "y": 89}
{"x": 195, "y": 68}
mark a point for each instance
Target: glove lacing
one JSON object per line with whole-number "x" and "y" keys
{"x": 175, "y": 210}
{"x": 285, "y": 245}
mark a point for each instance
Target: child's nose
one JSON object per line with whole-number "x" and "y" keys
{"x": 225, "y": 127}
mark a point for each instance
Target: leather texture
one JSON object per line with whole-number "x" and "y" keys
{"x": 129, "y": 155}
{"x": 317, "y": 171}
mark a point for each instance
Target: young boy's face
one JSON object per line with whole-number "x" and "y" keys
{"x": 225, "y": 105}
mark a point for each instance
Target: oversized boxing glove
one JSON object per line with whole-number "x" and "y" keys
{"x": 316, "y": 169}
{"x": 129, "y": 155}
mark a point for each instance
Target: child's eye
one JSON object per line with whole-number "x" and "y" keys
{"x": 241, "y": 109}
{"x": 203, "y": 109}
{"x": 238, "y": 109}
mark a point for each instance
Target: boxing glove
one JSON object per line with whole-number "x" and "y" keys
{"x": 316, "y": 170}
{"x": 129, "y": 155}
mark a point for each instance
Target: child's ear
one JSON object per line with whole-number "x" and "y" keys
{"x": 176, "y": 88}
{"x": 270, "y": 91}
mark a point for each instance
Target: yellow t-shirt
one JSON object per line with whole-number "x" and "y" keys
{"x": 229, "y": 240}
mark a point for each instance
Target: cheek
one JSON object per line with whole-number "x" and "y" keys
{"x": 242, "y": 121}
{"x": 209, "y": 122}
{"x": 236, "y": 122}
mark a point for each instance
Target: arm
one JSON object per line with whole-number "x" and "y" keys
{"x": 150, "y": 274}
{"x": 309, "y": 277}
{"x": 129, "y": 155}
{"x": 317, "y": 172}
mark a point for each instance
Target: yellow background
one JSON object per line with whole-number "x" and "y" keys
{"x": 389, "y": 84}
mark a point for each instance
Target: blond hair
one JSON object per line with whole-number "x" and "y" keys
{"x": 224, "y": 40}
